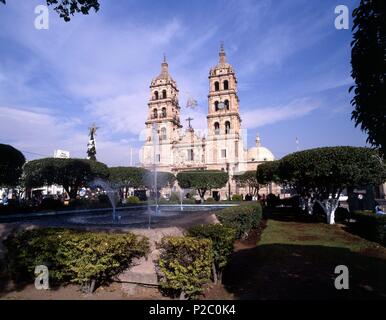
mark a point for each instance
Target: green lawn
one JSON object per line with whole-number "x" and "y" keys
{"x": 296, "y": 259}
{"x": 321, "y": 234}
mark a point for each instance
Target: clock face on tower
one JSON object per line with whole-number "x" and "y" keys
{"x": 221, "y": 105}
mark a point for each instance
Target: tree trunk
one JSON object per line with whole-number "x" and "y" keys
{"x": 220, "y": 276}
{"x": 202, "y": 192}
{"x": 329, "y": 207}
{"x": 182, "y": 296}
{"x": 214, "y": 273}
{"x": 307, "y": 204}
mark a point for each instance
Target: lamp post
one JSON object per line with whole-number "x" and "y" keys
{"x": 229, "y": 183}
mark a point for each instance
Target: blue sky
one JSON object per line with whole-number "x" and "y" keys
{"x": 293, "y": 70}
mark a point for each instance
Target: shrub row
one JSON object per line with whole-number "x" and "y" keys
{"x": 370, "y": 225}
{"x": 242, "y": 218}
{"x": 72, "y": 256}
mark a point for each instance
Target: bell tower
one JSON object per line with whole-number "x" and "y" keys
{"x": 223, "y": 102}
{"x": 225, "y": 148}
{"x": 163, "y": 120}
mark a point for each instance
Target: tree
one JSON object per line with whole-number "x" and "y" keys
{"x": 72, "y": 174}
{"x": 268, "y": 172}
{"x": 11, "y": 165}
{"x": 164, "y": 179}
{"x": 128, "y": 177}
{"x": 248, "y": 179}
{"x": 202, "y": 180}
{"x": 320, "y": 175}
{"x": 67, "y": 8}
{"x": 368, "y": 60}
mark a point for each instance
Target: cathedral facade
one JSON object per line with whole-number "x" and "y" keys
{"x": 172, "y": 148}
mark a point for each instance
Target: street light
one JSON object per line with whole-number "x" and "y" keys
{"x": 229, "y": 183}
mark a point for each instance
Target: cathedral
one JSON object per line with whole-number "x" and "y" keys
{"x": 172, "y": 148}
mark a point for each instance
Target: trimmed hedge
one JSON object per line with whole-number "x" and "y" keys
{"x": 237, "y": 197}
{"x": 185, "y": 265}
{"x": 133, "y": 200}
{"x": 370, "y": 225}
{"x": 72, "y": 256}
{"x": 242, "y": 218}
{"x": 222, "y": 239}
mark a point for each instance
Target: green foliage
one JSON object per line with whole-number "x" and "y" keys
{"x": 329, "y": 170}
{"x": 72, "y": 256}
{"x": 202, "y": 180}
{"x": 70, "y": 173}
{"x": 189, "y": 201}
{"x": 67, "y": 8}
{"x": 164, "y": 179}
{"x": 185, "y": 265}
{"x": 248, "y": 179}
{"x": 242, "y": 218}
{"x": 369, "y": 69}
{"x": 268, "y": 172}
{"x": 11, "y": 165}
{"x": 371, "y": 225}
{"x": 133, "y": 200}
{"x": 222, "y": 238}
{"x": 237, "y": 197}
{"x": 174, "y": 198}
{"x": 210, "y": 200}
{"x": 132, "y": 177}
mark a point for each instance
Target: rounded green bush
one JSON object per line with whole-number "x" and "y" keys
{"x": 222, "y": 238}
{"x": 242, "y": 218}
{"x": 237, "y": 197}
{"x": 185, "y": 264}
{"x": 133, "y": 200}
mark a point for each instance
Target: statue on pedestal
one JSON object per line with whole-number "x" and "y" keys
{"x": 91, "y": 146}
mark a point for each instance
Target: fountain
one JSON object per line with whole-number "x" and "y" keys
{"x": 110, "y": 193}
{"x": 182, "y": 195}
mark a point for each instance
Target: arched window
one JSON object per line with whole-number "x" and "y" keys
{"x": 216, "y": 105}
{"x": 163, "y": 112}
{"x": 226, "y": 85}
{"x": 216, "y": 128}
{"x": 227, "y": 127}
{"x": 155, "y": 113}
{"x": 216, "y": 86}
{"x": 156, "y": 95}
{"x": 163, "y": 133}
{"x": 226, "y": 103}
{"x": 163, "y": 94}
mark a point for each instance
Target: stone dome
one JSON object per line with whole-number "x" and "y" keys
{"x": 259, "y": 153}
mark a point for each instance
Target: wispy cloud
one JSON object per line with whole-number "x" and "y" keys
{"x": 55, "y": 83}
{"x": 264, "y": 116}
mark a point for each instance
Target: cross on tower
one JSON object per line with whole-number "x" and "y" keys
{"x": 189, "y": 119}
{"x": 92, "y": 130}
